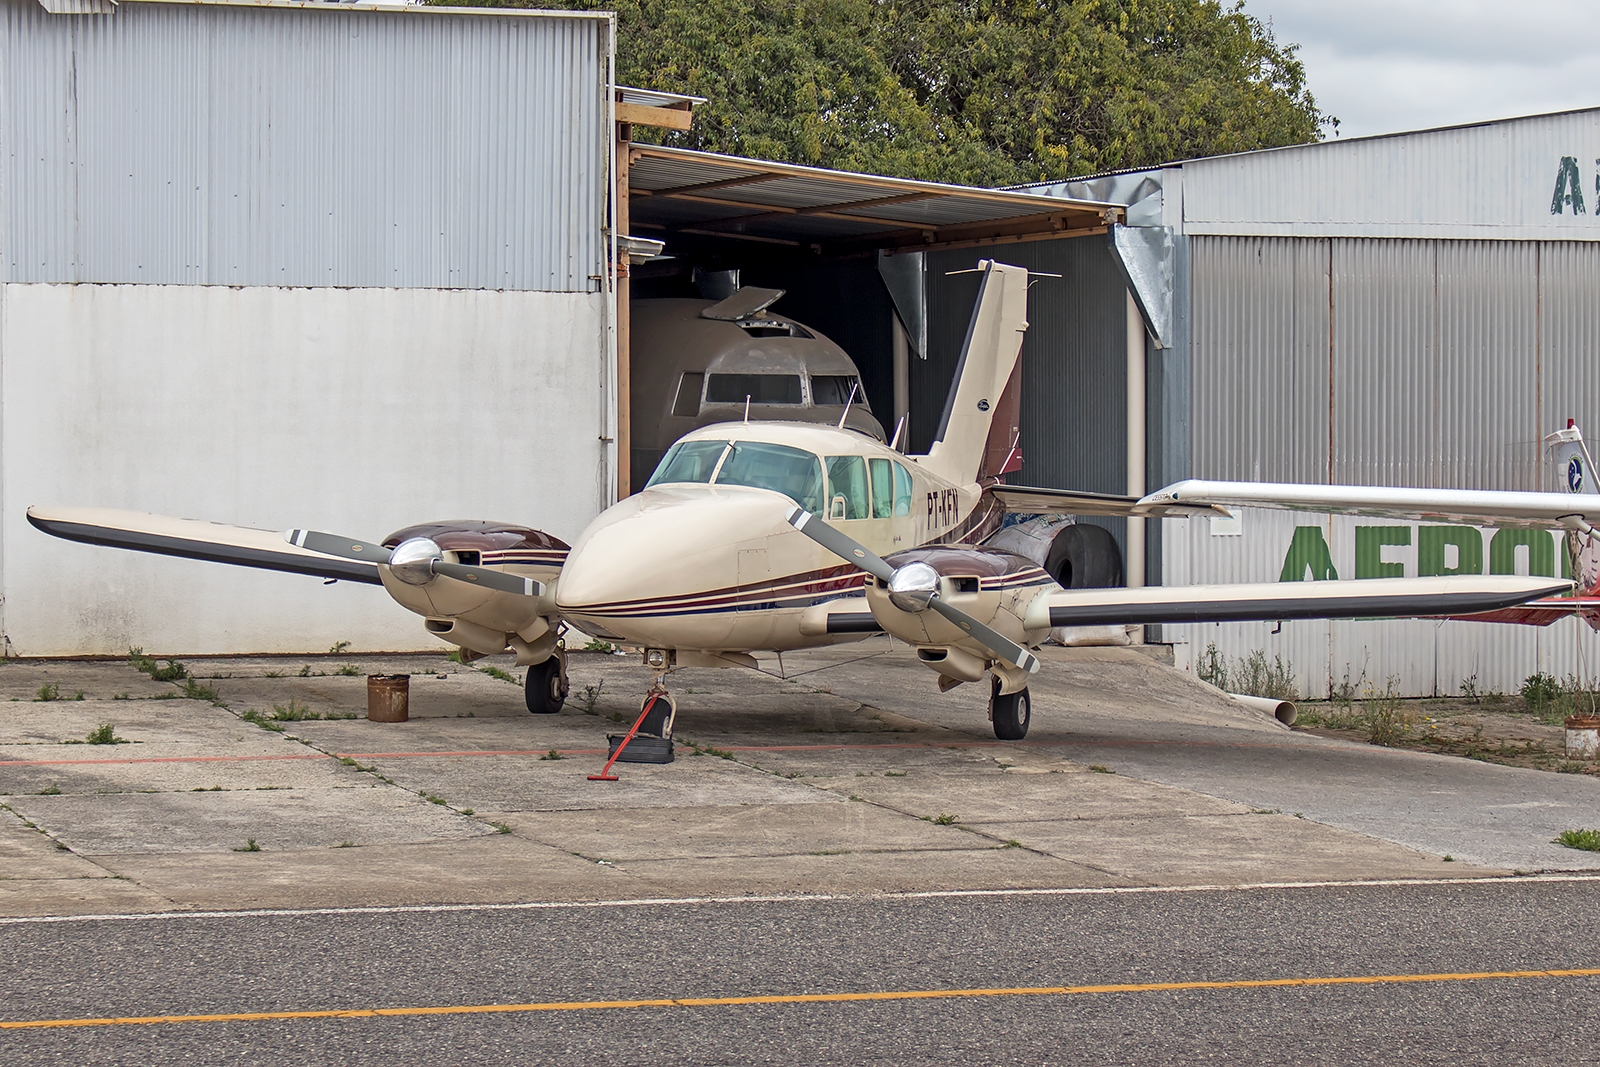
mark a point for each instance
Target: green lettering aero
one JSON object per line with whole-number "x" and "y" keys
{"x": 1309, "y": 556}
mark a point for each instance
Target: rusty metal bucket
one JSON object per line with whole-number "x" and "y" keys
{"x": 1583, "y": 737}
{"x": 388, "y": 697}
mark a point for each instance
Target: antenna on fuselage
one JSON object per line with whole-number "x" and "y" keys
{"x": 854, "y": 385}
{"x": 747, "y": 407}
{"x": 899, "y": 427}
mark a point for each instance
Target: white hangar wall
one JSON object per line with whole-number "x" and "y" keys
{"x": 1410, "y": 310}
{"x": 337, "y": 267}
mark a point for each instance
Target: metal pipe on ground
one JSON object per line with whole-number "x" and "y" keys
{"x": 1282, "y": 710}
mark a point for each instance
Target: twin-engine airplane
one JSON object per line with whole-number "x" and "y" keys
{"x": 772, "y": 536}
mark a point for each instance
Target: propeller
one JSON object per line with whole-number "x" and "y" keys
{"x": 415, "y": 561}
{"x": 913, "y": 588}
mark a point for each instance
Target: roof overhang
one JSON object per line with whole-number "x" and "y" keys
{"x": 709, "y": 197}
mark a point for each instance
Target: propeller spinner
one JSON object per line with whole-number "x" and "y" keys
{"x": 913, "y": 588}
{"x": 416, "y": 561}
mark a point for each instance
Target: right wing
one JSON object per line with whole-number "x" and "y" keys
{"x": 1367, "y": 598}
{"x": 192, "y": 539}
{"x": 1475, "y": 507}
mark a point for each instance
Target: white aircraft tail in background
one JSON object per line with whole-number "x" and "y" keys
{"x": 978, "y": 433}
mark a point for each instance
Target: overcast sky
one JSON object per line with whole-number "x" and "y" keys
{"x": 1387, "y": 65}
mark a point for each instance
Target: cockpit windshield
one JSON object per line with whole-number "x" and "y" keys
{"x": 689, "y": 461}
{"x": 794, "y": 473}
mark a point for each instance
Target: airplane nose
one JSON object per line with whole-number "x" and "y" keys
{"x": 663, "y": 545}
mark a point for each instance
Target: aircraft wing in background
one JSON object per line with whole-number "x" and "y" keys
{"x": 1480, "y": 507}
{"x": 1027, "y": 500}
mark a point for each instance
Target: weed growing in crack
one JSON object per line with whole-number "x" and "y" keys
{"x": 148, "y": 664}
{"x": 248, "y": 846}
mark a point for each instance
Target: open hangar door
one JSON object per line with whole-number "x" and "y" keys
{"x": 1074, "y": 418}
{"x": 828, "y": 239}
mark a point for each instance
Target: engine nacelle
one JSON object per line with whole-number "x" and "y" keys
{"x": 482, "y": 620}
{"x": 992, "y": 586}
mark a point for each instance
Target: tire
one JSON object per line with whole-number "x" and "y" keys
{"x": 1085, "y": 557}
{"x": 1011, "y": 713}
{"x": 546, "y": 687}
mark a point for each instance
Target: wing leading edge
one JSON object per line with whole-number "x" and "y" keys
{"x": 1372, "y": 598}
{"x": 1471, "y": 506}
{"x": 193, "y": 539}
{"x": 1030, "y": 500}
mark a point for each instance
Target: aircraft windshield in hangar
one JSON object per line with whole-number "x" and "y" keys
{"x": 795, "y": 473}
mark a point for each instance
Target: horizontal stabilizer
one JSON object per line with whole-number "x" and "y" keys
{"x": 193, "y": 539}
{"x": 1376, "y": 598}
{"x": 1471, "y": 506}
{"x": 1027, "y": 500}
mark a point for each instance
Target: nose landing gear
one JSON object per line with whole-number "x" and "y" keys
{"x": 1010, "y": 712}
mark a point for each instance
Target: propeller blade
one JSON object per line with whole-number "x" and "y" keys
{"x": 333, "y": 545}
{"x": 840, "y": 544}
{"x": 489, "y": 579}
{"x": 999, "y": 644}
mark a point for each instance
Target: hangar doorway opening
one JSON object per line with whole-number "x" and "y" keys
{"x": 876, "y": 266}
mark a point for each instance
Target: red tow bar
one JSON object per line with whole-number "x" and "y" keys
{"x": 605, "y": 774}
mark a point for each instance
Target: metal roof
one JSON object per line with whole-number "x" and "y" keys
{"x": 676, "y": 191}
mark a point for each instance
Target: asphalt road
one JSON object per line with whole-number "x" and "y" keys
{"x": 1013, "y": 945}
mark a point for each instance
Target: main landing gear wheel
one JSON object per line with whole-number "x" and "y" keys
{"x": 1011, "y": 713}
{"x": 546, "y": 687}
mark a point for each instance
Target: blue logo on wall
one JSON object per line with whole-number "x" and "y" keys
{"x": 1575, "y": 475}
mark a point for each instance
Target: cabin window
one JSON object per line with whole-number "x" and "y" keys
{"x": 847, "y": 488}
{"x": 795, "y": 474}
{"x": 687, "y": 402}
{"x": 882, "y": 488}
{"x": 835, "y": 389}
{"x": 688, "y": 461}
{"x": 902, "y": 490}
{"x": 760, "y": 388}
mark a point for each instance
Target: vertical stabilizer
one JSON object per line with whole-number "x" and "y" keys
{"x": 988, "y": 362}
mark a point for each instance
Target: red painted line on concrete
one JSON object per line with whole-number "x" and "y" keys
{"x": 158, "y": 759}
{"x": 600, "y": 751}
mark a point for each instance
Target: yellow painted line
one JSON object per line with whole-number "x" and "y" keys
{"x": 801, "y": 998}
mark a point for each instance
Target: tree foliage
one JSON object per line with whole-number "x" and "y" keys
{"x": 987, "y": 92}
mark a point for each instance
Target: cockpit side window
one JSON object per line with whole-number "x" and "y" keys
{"x": 687, "y": 402}
{"x": 882, "y": 489}
{"x": 836, "y": 389}
{"x": 688, "y": 461}
{"x": 795, "y": 474}
{"x": 902, "y": 490}
{"x": 847, "y": 488}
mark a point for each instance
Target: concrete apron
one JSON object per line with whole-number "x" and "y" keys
{"x": 852, "y": 776}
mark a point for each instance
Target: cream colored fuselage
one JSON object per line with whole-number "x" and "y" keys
{"x": 692, "y": 565}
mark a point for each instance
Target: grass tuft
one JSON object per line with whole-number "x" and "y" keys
{"x": 104, "y": 734}
{"x": 248, "y": 846}
{"x": 1584, "y": 840}
{"x": 148, "y": 664}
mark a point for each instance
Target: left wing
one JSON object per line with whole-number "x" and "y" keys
{"x": 1368, "y": 598}
{"x": 1471, "y": 506}
{"x": 193, "y": 539}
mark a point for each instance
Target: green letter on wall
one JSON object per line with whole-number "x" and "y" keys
{"x": 1369, "y": 550}
{"x": 1541, "y": 552}
{"x": 1308, "y": 550}
{"x": 1431, "y": 542}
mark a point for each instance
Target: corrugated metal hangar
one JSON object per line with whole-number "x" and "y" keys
{"x": 1416, "y": 309}
{"x": 356, "y": 266}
